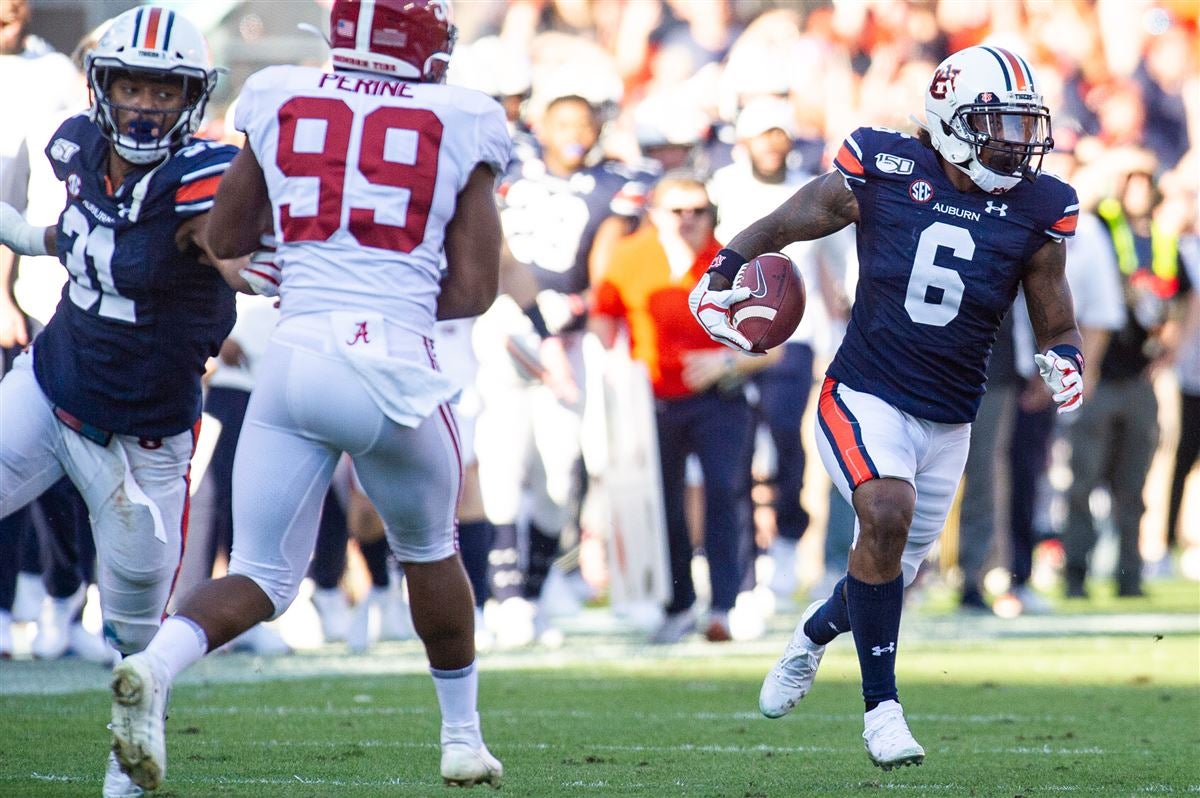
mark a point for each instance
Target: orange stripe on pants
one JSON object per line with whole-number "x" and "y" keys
{"x": 845, "y": 441}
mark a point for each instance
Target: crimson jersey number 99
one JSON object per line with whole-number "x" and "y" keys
{"x": 328, "y": 166}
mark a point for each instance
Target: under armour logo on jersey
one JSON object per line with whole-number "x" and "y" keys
{"x": 360, "y": 335}
{"x": 1001, "y": 209}
{"x": 879, "y": 651}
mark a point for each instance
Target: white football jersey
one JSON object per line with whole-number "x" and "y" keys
{"x": 364, "y": 174}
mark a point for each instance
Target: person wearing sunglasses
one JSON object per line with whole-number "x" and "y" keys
{"x": 701, "y": 408}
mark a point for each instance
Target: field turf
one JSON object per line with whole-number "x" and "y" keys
{"x": 1003, "y": 708}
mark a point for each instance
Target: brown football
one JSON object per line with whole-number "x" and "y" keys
{"x": 776, "y": 303}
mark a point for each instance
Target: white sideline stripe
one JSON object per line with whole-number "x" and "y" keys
{"x": 330, "y": 711}
{"x": 536, "y": 746}
{"x": 921, "y": 788}
{"x": 682, "y": 748}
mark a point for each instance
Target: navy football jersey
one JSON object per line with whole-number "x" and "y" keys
{"x": 938, "y": 269}
{"x": 138, "y": 319}
{"x": 549, "y": 221}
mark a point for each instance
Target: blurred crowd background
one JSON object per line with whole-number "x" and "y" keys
{"x": 742, "y": 94}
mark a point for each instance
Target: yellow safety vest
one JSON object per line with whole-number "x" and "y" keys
{"x": 1164, "y": 247}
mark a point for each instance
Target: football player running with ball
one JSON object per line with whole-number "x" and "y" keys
{"x": 110, "y": 393}
{"x": 379, "y": 182}
{"x": 949, "y": 225}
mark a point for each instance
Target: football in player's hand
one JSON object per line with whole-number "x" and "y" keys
{"x": 776, "y": 303}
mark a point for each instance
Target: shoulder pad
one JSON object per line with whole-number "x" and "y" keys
{"x": 75, "y": 138}
{"x": 877, "y": 152}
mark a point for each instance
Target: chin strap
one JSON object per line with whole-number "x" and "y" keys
{"x": 138, "y": 195}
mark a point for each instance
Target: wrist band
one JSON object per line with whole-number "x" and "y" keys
{"x": 1070, "y": 353}
{"x": 727, "y": 263}
{"x": 535, "y": 318}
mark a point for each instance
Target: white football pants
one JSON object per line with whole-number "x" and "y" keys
{"x": 528, "y": 441}
{"x": 861, "y": 437}
{"x": 136, "y": 499}
{"x": 308, "y": 407}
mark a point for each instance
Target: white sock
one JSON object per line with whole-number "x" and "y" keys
{"x": 457, "y": 693}
{"x": 178, "y": 643}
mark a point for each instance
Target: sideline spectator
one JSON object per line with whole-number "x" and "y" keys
{"x": 696, "y": 383}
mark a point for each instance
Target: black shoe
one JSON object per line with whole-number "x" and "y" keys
{"x": 1076, "y": 590}
{"x": 1130, "y": 591}
{"x": 972, "y": 601}
{"x": 1076, "y": 581}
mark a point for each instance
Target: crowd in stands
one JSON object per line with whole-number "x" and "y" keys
{"x": 656, "y": 129}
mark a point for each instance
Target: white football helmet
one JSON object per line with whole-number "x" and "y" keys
{"x": 158, "y": 43}
{"x": 986, "y": 117}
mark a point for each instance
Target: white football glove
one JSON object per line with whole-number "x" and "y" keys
{"x": 1064, "y": 379}
{"x": 711, "y": 309}
{"x": 263, "y": 273}
{"x": 19, "y": 235}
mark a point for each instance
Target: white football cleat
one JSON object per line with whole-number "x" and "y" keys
{"x": 27, "y": 602}
{"x": 6, "y": 636}
{"x": 674, "y": 628}
{"x": 90, "y": 647}
{"x": 395, "y": 615}
{"x": 364, "y": 621}
{"x": 889, "y": 742}
{"x": 464, "y": 765}
{"x": 784, "y": 580}
{"x": 511, "y": 622}
{"x": 261, "y": 639}
{"x": 792, "y": 677}
{"x": 484, "y": 639}
{"x": 139, "y": 708}
{"x": 117, "y": 783}
{"x": 334, "y": 611}
{"x": 54, "y": 625}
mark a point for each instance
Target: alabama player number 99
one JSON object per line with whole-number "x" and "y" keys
{"x": 398, "y": 148}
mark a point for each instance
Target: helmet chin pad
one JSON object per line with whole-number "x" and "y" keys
{"x": 140, "y": 155}
{"x": 987, "y": 180}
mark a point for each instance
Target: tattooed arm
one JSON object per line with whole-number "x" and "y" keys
{"x": 1048, "y": 298}
{"x": 1052, "y": 312}
{"x": 821, "y": 206}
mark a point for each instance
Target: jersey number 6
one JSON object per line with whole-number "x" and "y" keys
{"x": 935, "y": 292}
{"x": 398, "y": 148}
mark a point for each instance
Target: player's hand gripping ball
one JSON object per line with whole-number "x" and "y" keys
{"x": 771, "y": 313}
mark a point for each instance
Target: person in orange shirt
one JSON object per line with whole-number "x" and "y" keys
{"x": 700, "y": 405}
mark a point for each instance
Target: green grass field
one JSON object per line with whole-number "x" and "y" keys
{"x": 1003, "y": 709}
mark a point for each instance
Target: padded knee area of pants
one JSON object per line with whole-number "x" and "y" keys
{"x": 129, "y": 637}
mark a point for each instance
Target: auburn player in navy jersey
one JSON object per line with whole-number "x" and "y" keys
{"x": 949, "y": 225}
{"x": 110, "y": 393}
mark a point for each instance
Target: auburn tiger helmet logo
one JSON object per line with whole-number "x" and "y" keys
{"x": 943, "y": 81}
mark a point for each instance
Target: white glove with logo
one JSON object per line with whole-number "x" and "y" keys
{"x": 19, "y": 235}
{"x": 263, "y": 272}
{"x": 711, "y": 309}
{"x": 1064, "y": 379}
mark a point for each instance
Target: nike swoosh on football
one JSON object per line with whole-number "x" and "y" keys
{"x": 761, "y": 290}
